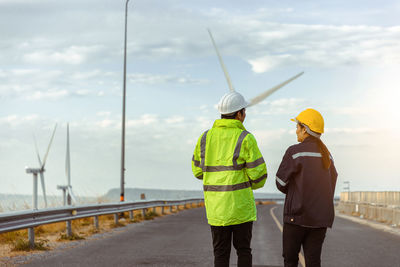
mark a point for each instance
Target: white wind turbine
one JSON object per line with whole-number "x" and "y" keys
{"x": 68, "y": 195}
{"x": 40, "y": 170}
{"x": 261, "y": 96}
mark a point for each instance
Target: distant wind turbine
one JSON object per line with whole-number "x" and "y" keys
{"x": 40, "y": 170}
{"x": 67, "y": 189}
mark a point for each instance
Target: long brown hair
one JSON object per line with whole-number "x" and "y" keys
{"x": 326, "y": 156}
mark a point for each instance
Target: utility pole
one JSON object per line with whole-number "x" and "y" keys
{"x": 122, "y": 196}
{"x": 347, "y": 187}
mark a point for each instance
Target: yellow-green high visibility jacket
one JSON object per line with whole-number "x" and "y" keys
{"x": 230, "y": 164}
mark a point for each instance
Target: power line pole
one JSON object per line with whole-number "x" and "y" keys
{"x": 122, "y": 196}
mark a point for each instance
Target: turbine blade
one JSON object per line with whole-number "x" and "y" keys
{"x": 43, "y": 188}
{"x": 267, "y": 93}
{"x": 48, "y": 148}
{"x": 228, "y": 79}
{"x": 37, "y": 150}
{"x": 71, "y": 194}
{"x": 68, "y": 161}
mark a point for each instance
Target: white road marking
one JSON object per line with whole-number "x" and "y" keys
{"x": 271, "y": 211}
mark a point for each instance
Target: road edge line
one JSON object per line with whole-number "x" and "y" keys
{"x": 372, "y": 224}
{"x": 271, "y": 211}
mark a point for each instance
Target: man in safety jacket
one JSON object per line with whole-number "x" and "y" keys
{"x": 230, "y": 164}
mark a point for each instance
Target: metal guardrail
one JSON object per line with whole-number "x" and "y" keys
{"x": 30, "y": 219}
{"x": 13, "y": 221}
{"x": 26, "y": 219}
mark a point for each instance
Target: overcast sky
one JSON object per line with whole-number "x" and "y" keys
{"x": 63, "y": 62}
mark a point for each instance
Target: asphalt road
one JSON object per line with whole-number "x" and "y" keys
{"x": 184, "y": 239}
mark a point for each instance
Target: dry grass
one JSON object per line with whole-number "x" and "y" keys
{"x": 74, "y": 236}
{"x": 23, "y": 245}
{"x": 51, "y": 235}
{"x": 10, "y": 237}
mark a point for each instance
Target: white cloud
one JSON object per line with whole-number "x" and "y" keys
{"x": 350, "y": 131}
{"x": 267, "y": 63}
{"x": 103, "y": 113}
{"x": 87, "y": 75}
{"x": 174, "y": 119}
{"x": 72, "y": 55}
{"x": 327, "y": 45}
{"x": 151, "y": 79}
{"x": 269, "y": 137}
{"x": 17, "y": 120}
{"x": 350, "y": 110}
{"x": 106, "y": 123}
{"x": 204, "y": 122}
{"x": 51, "y": 94}
{"x": 145, "y": 119}
{"x": 279, "y": 106}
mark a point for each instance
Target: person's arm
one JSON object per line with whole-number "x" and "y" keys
{"x": 196, "y": 160}
{"x": 255, "y": 167}
{"x": 286, "y": 170}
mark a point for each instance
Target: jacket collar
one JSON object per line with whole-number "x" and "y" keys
{"x": 228, "y": 123}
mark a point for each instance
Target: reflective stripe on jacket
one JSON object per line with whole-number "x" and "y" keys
{"x": 230, "y": 164}
{"x": 308, "y": 186}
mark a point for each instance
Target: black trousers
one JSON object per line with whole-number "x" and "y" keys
{"x": 222, "y": 239}
{"x": 294, "y": 236}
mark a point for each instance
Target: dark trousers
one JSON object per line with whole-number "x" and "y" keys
{"x": 294, "y": 236}
{"x": 222, "y": 239}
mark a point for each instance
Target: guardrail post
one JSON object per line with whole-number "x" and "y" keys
{"x": 69, "y": 228}
{"x": 162, "y": 210}
{"x": 31, "y": 237}
{"x": 96, "y": 222}
{"x": 116, "y": 218}
{"x": 131, "y": 215}
{"x": 144, "y": 213}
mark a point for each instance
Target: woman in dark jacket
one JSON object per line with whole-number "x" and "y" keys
{"x": 307, "y": 176}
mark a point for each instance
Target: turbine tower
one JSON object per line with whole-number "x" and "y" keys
{"x": 68, "y": 195}
{"x": 40, "y": 171}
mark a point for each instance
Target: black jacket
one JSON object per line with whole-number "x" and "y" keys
{"x": 308, "y": 186}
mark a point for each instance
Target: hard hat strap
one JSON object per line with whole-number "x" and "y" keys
{"x": 308, "y": 130}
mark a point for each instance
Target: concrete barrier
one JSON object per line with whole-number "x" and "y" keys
{"x": 386, "y": 198}
{"x": 378, "y": 213}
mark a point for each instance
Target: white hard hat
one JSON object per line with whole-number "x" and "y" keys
{"x": 232, "y": 102}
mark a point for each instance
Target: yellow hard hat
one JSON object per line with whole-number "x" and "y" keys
{"x": 311, "y": 118}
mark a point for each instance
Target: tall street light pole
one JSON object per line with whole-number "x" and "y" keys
{"x": 122, "y": 196}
